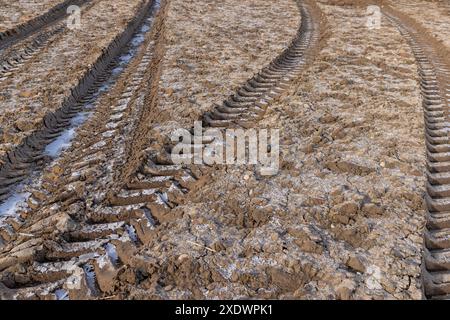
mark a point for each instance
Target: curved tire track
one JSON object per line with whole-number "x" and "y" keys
{"x": 434, "y": 70}
{"x": 250, "y": 102}
{"x": 21, "y": 32}
{"x": 103, "y": 216}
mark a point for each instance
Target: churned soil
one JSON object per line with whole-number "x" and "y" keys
{"x": 13, "y": 13}
{"x": 343, "y": 217}
{"x": 45, "y": 80}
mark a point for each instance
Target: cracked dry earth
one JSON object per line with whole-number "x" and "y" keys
{"x": 111, "y": 217}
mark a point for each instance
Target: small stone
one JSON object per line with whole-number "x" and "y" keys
{"x": 169, "y": 91}
{"x": 39, "y": 195}
{"x": 354, "y": 262}
{"x": 218, "y": 246}
{"x": 24, "y": 125}
{"x": 57, "y": 170}
{"x": 343, "y": 212}
{"x": 372, "y": 210}
{"x": 25, "y": 94}
{"x": 389, "y": 285}
{"x": 347, "y": 208}
{"x": 183, "y": 257}
{"x": 168, "y": 288}
{"x": 309, "y": 246}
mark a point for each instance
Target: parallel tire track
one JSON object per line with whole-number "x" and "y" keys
{"x": 434, "y": 71}
{"x": 15, "y": 56}
{"x": 67, "y": 264}
{"x": 249, "y": 103}
{"x": 20, "y": 32}
{"x": 11, "y": 62}
{"x": 21, "y": 161}
{"x": 116, "y": 189}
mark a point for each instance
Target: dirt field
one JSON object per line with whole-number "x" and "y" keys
{"x": 14, "y": 13}
{"x": 92, "y": 205}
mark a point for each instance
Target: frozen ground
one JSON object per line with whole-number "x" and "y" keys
{"x": 343, "y": 218}
{"x": 43, "y": 82}
{"x": 13, "y": 13}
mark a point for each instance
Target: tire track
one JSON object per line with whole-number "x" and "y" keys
{"x": 434, "y": 70}
{"x": 250, "y": 102}
{"x": 116, "y": 187}
{"x": 16, "y": 55}
{"x": 15, "y": 59}
{"x": 19, "y": 163}
{"x": 21, "y": 32}
{"x": 68, "y": 268}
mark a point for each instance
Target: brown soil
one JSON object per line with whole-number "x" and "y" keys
{"x": 44, "y": 81}
{"x": 14, "y": 13}
{"x": 209, "y": 53}
{"x": 342, "y": 219}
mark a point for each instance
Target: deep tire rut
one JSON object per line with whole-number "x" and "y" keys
{"x": 19, "y": 163}
{"x": 113, "y": 190}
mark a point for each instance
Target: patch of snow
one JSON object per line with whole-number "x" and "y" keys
{"x": 151, "y": 222}
{"x": 108, "y": 133}
{"x": 126, "y": 58}
{"x": 16, "y": 201}
{"x": 63, "y": 142}
{"x": 90, "y": 277}
{"x": 163, "y": 198}
{"x": 112, "y": 253}
{"x": 132, "y": 233}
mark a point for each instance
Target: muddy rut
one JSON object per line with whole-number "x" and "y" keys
{"x": 112, "y": 190}
{"x": 94, "y": 185}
